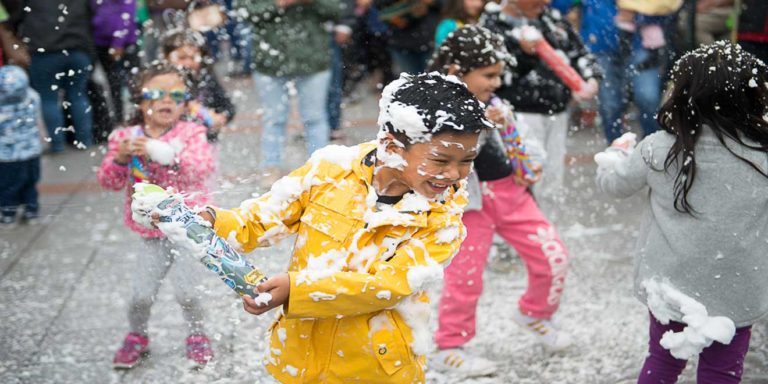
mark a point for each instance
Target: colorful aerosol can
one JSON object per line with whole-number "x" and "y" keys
{"x": 200, "y": 239}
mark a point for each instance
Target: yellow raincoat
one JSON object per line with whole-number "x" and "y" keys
{"x": 356, "y": 311}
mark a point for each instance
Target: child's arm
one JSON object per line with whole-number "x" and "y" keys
{"x": 416, "y": 262}
{"x": 113, "y": 172}
{"x": 621, "y": 169}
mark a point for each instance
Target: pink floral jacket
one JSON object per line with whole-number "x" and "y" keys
{"x": 192, "y": 166}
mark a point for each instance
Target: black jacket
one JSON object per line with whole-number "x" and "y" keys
{"x": 532, "y": 87}
{"x": 53, "y": 26}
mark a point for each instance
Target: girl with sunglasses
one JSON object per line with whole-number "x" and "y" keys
{"x": 162, "y": 149}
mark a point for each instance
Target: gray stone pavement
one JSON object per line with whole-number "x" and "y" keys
{"x": 64, "y": 283}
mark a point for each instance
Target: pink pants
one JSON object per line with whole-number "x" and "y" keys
{"x": 510, "y": 211}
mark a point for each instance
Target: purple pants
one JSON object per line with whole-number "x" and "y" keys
{"x": 718, "y": 363}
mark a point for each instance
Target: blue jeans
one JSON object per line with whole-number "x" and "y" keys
{"x": 313, "y": 97}
{"x": 49, "y": 73}
{"x": 335, "y": 90}
{"x": 18, "y": 186}
{"x": 646, "y": 91}
{"x": 413, "y": 62}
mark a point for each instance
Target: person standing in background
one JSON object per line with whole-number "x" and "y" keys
{"x": 115, "y": 34}
{"x": 412, "y": 26}
{"x": 60, "y": 44}
{"x": 753, "y": 28}
{"x": 292, "y": 48}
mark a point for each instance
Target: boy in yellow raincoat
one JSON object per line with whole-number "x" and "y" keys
{"x": 375, "y": 223}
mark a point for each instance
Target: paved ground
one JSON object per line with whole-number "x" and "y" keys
{"x": 64, "y": 284}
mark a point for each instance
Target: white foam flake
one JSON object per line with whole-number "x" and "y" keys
{"x": 447, "y": 234}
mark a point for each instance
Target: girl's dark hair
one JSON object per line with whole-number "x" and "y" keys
{"x": 454, "y": 9}
{"x": 178, "y": 38}
{"x": 470, "y": 48}
{"x": 720, "y": 86}
{"x": 151, "y": 70}
{"x": 415, "y": 108}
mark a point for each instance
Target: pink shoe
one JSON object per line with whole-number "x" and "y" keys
{"x": 199, "y": 349}
{"x": 129, "y": 355}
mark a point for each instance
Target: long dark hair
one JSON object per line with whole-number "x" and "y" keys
{"x": 470, "y": 48}
{"x": 721, "y": 86}
{"x": 151, "y": 70}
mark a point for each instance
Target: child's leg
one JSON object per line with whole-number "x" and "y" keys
{"x": 29, "y": 192}
{"x": 522, "y": 225}
{"x": 723, "y": 364}
{"x": 313, "y": 99}
{"x": 42, "y": 77}
{"x": 660, "y": 366}
{"x": 76, "y": 92}
{"x": 464, "y": 283}
{"x": 152, "y": 264}
{"x": 275, "y": 103}
{"x": 10, "y": 185}
{"x": 183, "y": 276}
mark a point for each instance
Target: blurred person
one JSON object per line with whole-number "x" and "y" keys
{"x": 456, "y": 14}
{"x": 341, "y": 37}
{"x": 700, "y": 263}
{"x": 115, "y": 34}
{"x": 753, "y": 28}
{"x": 539, "y": 97}
{"x": 161, "y": 12}
{"x": 20, "y": 147}
{"x": 291, "y": 47}
{"x": 368, "y": 51}
{"x": 210, "y": 105}
{"x": 412, "y": 26}
{"x": 629, "y": 68}
{"x": 160, "y": 149}
{"x": 712, "y": 20}
{"x": 61, "y": 59}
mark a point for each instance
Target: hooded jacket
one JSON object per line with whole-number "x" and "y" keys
{"x": 356, "y": 311}
{"x": 19, "y": 112}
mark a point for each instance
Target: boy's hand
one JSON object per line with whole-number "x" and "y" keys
{"x": 527, "y": 181}
{"x": 278, "y": 286}
{"x": 496, "y": 115}
{"x": 588, "y": 91}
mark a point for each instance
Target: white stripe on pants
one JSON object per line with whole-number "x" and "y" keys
{"x": 155, "y": 261}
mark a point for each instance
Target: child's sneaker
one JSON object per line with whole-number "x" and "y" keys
{"x": 547, "y": 333}
{"x": 199, "y": 349}
{"x": 456, "y": 361}
{"x": 129, "y": 355}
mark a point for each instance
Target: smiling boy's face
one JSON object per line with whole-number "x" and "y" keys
{"x": 434, "y": 166}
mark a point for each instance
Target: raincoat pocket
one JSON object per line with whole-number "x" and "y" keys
{"x": 327, "y": 221}
{"x": 388, "y": 344}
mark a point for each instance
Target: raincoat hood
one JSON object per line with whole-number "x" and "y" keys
{"x": 14, "y": 85}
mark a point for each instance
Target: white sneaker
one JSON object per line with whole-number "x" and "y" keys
{"x": 458, "y": 362}
{"x": 547, "y": 333}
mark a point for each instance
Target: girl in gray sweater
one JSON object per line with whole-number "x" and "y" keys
{"x": 701, "y": 261}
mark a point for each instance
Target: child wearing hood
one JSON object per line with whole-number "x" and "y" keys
{"x": 20, "y": 146}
